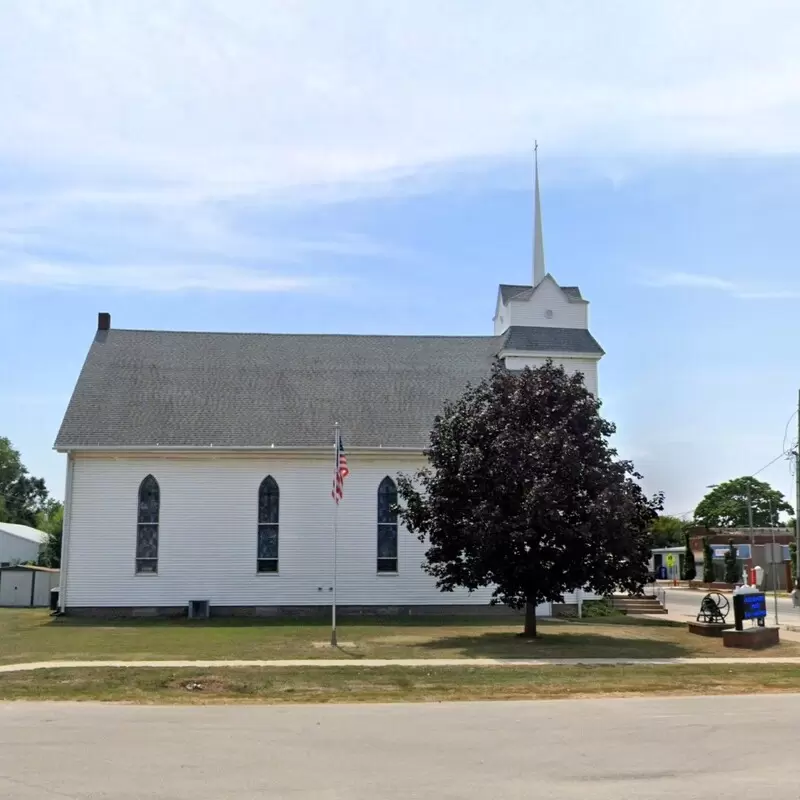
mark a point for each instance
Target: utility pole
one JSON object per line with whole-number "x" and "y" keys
{"x": 797, "y": 497}
{"x": 750, "y": 525}
{"x": 773, "y": 565}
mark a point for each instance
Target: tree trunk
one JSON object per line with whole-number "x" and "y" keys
{"x": 530, "y": 619}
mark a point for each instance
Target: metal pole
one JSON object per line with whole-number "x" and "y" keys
{"x": 750, "y": 515}
{"x": 333, "y": 605}
{"x": 797, "y": 498}
{"x": 773, "y": 565}
{"x": 335, "y": 532}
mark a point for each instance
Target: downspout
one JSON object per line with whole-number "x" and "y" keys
{"x": 62, "y": 583}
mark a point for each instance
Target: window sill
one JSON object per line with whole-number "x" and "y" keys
{"x": 145, "y": 574}
{"x": 388, "y": 574}
{"x": 268, "y": 574}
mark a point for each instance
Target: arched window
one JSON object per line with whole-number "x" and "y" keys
{"x": 147, "y": 526}
{"x": 387, "y": 526}
{"x": 269, "y": 501}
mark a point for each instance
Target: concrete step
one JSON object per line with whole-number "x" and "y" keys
{"x": 634, "y": 602}
{"x": 638, "y": 605}
{"x": 648, "y": 610}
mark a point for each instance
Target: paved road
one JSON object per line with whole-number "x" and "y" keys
{"x": 570, "y": 750}
{"x": 687, "y": 602}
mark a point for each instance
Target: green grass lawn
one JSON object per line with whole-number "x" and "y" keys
{"x": 32, "y": 635}
{"x": 390, "y": 684}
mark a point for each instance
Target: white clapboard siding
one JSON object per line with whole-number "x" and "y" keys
{"x": 207, "y": 535}
{"x": 547, "y": 297}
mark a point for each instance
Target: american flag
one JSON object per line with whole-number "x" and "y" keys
{"x": 340, "y": 470}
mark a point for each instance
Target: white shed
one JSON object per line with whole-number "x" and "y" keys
{"x": 27, "y": 586}
{"x": 19, "y": 544}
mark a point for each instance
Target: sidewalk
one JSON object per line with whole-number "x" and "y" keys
{"x": 401, "y": 662}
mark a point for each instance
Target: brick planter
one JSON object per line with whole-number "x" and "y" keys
{"x": 715, "y": 629}
{"x": 751, "y": 638}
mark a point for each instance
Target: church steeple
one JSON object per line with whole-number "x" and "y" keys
{"x": 538, "y": 241}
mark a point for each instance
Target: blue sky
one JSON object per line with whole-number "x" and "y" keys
{"x": 274, "y": 167}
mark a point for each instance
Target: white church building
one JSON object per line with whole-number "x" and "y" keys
{"x": 199, "y": 465}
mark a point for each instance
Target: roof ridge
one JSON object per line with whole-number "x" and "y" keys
{"x": 309, "y": 335}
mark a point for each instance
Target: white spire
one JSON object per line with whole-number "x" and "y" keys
{"x": 538, "y": 241}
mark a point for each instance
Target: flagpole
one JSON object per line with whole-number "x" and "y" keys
{"x": 335, "y": 532}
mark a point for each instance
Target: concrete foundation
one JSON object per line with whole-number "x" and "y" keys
{"x": 300, "y": 612}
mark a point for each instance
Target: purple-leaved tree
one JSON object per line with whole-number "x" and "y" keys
{"x": 523, "y": 492}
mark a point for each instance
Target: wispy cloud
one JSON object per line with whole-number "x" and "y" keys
{"x": 744, "y": 291}
{"x": 127, "y": 126}
{"x": 231, "y": 247}
{"x": 275, "y": 94}
{"x": 159, "y": 278}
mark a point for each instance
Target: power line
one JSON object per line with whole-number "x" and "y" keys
{"x": 783, "y": 454}
{"x": 786, "y": 429}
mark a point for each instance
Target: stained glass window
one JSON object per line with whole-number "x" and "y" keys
{"x": 147, "y": 526}
{"x": 387, "y": 526}
{"x": 268, "y": 519}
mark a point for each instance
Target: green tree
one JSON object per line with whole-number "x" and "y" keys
{"x": 708, "y": 562}
{"x": 689, "y": 571}
{"x": 50, "y": 519}
{"x": 524, "y": 493}
{"x": 732, "y": 571}
{"x": 725, "y": 506}
{"x": 667, "y": 531}
{"x": 22, "y": 494}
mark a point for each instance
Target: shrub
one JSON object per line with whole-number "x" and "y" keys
{"x": 600, "y": 608}
{"x": 689, "y": 568}
{"x": 732, "y": 571}
{"x": 708, "y": 563}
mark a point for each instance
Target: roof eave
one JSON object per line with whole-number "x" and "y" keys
{"x": 315, "y": 450}
{"x": 553, "y": 353}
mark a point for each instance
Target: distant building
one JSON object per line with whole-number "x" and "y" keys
{"x": 26, "y": 586}
{"x": 741, "y": 536}
{"x": 753, "y": 549}
{"x": 19, "y": 544}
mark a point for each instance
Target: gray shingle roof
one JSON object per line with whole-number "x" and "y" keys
{"x": 573, "y": 292}
{"x": 509, "y": 291}
{"x": 554, "y": 340}
{"x": 148, "y": 388}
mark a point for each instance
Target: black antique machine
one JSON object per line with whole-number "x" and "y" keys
{"x": 714, "y": 607}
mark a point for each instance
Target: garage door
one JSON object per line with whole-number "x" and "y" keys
{"x": 15, "y": 587}
{"x": 43, "y": 582}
